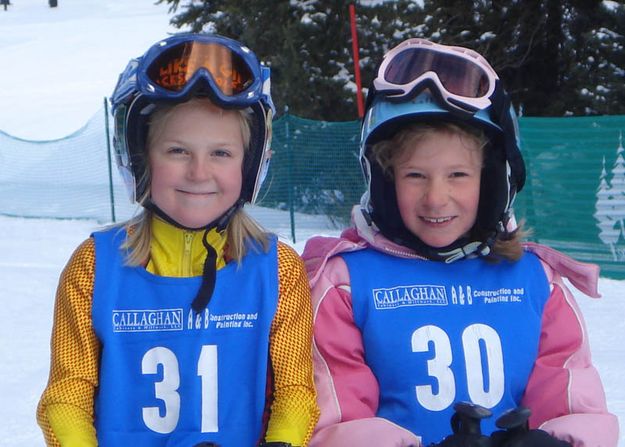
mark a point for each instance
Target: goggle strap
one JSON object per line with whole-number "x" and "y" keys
{"x": 500, "y": 102}
{"x": 501, "y": 109}
{"x": 463, "y": 106}
{"x": 457, "y": 108}
{"x": 391, "y": 93}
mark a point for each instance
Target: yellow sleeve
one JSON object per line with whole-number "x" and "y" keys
{"x": 65, "y": 411}
{"x": 294, "y": 410}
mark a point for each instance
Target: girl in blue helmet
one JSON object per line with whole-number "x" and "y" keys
{"x": 189, "y": 324}
{"x": 433, "y": 321}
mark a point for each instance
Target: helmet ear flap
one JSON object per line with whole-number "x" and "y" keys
{"x": 494, "y": 191}
{"x": 256, "y": 162}
{"x": 383, "y": 202}
{"x": 130, "y": 143}
{"x": 137, "y": 140}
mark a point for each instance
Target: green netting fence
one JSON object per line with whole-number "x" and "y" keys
{"x": 574, "y": 198}
{"x": 314, "y": 168}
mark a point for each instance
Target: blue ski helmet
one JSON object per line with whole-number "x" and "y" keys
{"x": 173, "y": 71}
{"x": 502, "y": 177}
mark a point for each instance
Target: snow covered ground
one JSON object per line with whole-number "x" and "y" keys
{"x": 34, "y": 251}
{"x": 56, "y": 65}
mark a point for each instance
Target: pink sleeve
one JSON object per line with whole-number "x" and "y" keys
{"x": 564, "y": 391}
{"x": 347, "y": 390}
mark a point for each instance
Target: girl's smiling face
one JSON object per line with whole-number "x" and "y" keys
{"x": 437, "y": 183}
{"x": 196, "y": 157}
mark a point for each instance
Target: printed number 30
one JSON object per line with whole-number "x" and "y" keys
{"x": 438, "y": 367}
{"x": 166, "y": 389}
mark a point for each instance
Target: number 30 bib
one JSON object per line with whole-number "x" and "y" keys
{"x": 435, "y": 334}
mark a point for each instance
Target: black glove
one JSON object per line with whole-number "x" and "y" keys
{"x": 461, "y": 440}
{"x": 465, "y": 425}
{"x": 530, "y": 438}
{"x": 516, "y": 433}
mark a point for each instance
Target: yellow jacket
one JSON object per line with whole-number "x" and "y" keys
{"x": 66, "y": 409}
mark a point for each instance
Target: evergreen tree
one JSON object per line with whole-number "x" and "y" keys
{"x": 596, "y": 76}
{"x": 306, "y": 44}
{"x": 381, "y": 27}
{"x": 556, "y": 57}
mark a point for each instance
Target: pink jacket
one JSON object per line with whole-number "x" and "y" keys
{"x": 564, "y": 389}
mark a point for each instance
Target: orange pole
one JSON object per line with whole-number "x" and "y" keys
{"x": 359, "y": 99}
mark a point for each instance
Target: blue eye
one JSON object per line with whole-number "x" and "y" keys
{"x": 177, "y": 150}
{"x": 221, "y": 153}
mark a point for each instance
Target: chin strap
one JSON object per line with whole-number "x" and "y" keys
{"x": 209, "y": 271}
{"x": 470, "y": 250}
{"x": 220, "y": 223}
{"x": 209, "y": 274}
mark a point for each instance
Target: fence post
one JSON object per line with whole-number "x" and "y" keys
{"x": 289, "y": 178}
{"x": 108, "y": 155}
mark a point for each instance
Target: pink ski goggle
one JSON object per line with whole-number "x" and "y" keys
{"x": 462, "y": 77}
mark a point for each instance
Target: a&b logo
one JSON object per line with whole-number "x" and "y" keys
{"x": 461, "y": 295}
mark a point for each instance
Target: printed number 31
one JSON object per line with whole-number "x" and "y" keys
{"x": 167, "y": 389}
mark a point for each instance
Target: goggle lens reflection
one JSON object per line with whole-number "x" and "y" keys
{"x": 177, "y": 65}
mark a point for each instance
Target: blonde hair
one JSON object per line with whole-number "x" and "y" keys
{"x": 241, "y": 227}
{"x": 387, "y": 152}
{"x": 509, "y": 245}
